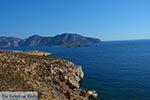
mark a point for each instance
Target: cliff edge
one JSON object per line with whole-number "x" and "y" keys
{"x": 53, "y": 78}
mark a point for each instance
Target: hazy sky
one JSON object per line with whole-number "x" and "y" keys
{"x": 105, "y": 19}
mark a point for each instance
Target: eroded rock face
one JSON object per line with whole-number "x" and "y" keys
{"x": 73, "y": 75}
{"x": 53, "y": 78}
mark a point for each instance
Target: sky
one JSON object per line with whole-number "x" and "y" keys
{"x": 104, "y": 19}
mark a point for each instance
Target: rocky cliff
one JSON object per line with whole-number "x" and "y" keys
{"x": 65, "y": 39}
{"x": 53, "y": 78}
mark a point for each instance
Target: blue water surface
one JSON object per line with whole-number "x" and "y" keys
{"x": 118, "y": 70}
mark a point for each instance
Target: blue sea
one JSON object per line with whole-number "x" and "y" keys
{"x": 117, "y": 70}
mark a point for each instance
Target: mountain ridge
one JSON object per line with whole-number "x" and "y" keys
{"x": 65, "y": 39}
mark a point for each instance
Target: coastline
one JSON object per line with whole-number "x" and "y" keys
{"x": 53, "y": 78}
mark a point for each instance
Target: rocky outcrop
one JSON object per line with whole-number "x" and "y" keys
{"x": 53, "y": 78}
{"x": 65, "y": 39}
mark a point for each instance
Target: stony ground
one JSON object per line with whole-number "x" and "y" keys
{"x": 53, "y": 78}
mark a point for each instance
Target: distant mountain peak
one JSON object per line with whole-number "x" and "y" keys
{"x": 76, "y": 34}
{"x": 34, "y": 36}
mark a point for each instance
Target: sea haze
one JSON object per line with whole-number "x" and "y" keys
{"x": 116, "y": 70}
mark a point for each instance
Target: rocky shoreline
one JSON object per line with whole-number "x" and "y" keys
{"x": 53, "y": 78}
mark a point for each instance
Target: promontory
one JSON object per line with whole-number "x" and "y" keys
{"x": 53, "y": 78}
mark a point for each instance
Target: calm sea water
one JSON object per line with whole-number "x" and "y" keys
{"x": 116, "y": 70}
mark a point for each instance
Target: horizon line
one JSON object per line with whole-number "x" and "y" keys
{"x": 113, "y": 40}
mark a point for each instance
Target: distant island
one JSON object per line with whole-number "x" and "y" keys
{"x": 65, "y": 39}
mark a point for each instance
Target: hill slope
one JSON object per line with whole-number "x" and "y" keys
{"x": 53, "y": 78}
{"x": 9, "y": 41}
